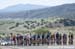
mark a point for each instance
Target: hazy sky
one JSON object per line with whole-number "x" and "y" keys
{"x": 5, "y": 3}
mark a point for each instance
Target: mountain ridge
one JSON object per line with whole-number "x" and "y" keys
{"x": 65, "y": 11}
{"x": 21, "y": 7}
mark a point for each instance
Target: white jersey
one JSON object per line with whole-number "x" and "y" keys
{"x": 28, "y": 36}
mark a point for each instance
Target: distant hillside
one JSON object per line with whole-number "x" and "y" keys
{"x": 61, "y": 23}
{"x": 66, "y": 11}
{"x": 67, "y": 22}
{"x": 21, "y": 7}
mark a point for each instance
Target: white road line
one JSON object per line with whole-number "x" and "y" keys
{"x": 61, "y": 47}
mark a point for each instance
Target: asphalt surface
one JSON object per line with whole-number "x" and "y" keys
{"x": 37, "y": 47}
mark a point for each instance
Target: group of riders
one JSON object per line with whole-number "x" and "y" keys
{"x": 43, "y": 39}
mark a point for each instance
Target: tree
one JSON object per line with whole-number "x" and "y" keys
{"x": 17, "y": 24}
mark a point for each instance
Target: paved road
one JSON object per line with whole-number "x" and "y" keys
{"x": 37, "y": 47}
